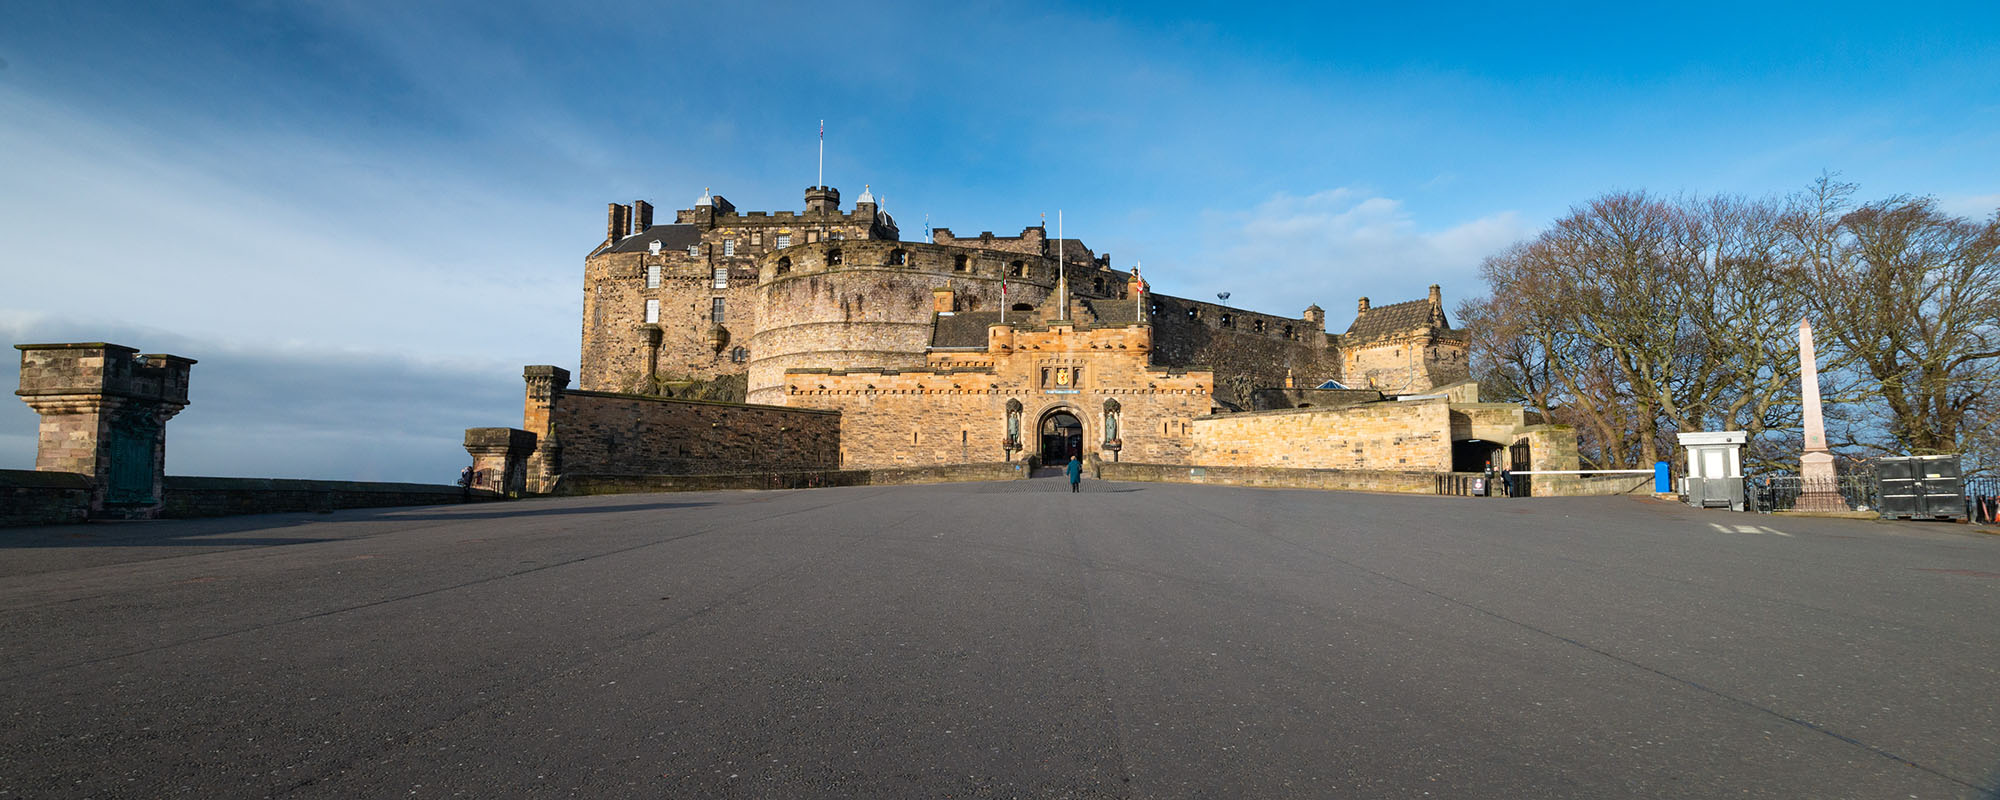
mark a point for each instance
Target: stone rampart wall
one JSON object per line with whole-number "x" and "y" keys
{"x": 600, "y": 432}
{"x": 190, "y": 497}
{"x": 574, "y": 484}
{"x": 1413, "y": 436}
{"x": 1590, "y": 485}
{"x": 1353, "y": 480}
{"x": 29, "y": 497}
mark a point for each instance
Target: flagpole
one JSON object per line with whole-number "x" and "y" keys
{"x": 1138, "y": 291}
{"x": 1062, "y": 272}
{"x": 822, "y": 153}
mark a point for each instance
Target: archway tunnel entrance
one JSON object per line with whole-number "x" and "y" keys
{"x": 1472, "y": 455}
{"x": 1062, "y": 437}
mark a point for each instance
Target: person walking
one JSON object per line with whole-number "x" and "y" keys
{"x": 1075, "y": 473}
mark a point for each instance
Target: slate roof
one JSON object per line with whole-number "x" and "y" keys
{"x": 1109, "y": 311}
{"x": 672, "y": 237}
{"x": 965, "y": 328}
{"x": 1393, "y": 319}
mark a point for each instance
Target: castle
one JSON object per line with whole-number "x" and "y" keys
{"x": 998, "y": 348}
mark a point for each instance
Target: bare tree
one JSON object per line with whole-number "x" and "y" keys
{"x": 1912, "y": 295}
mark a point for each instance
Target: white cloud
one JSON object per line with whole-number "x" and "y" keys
{"x": 1335, "y": 246}
{"x": 1972, "y": 206}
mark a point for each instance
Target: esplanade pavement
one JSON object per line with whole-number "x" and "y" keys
{"x": 1002, "y": 640}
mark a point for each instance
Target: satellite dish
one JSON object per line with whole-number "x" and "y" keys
{"x": 1223, "y": 296}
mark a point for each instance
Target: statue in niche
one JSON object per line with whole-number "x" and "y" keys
{"x": 1111, "y": 422}
{"x": 1013, "y": 425}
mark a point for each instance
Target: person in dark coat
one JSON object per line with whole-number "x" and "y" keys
{"x": 1075, "y": 473}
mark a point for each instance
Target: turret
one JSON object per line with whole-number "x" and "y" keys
{"x": 822, "y": 200}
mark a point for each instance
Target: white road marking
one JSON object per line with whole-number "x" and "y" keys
{"x": 1748, "y": 529}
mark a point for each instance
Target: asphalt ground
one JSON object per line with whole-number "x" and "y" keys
{"x": 1002, "y": 640}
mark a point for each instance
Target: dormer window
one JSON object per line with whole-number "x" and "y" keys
{"x": 653, "y": 248}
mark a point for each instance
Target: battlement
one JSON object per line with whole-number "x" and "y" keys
{"x": 956, "y": 261}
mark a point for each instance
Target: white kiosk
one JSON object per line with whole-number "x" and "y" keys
{"x": 1715, "y": 469}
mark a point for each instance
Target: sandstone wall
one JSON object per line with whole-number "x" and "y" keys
{"x": 1353, "y": 480}
{"x": 1400, "y": 436}
{"x": 601, "y": 432}
{"x": 29, "y": 497}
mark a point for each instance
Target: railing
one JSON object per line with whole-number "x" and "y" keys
{"x": 1781, "y": 492}
{"x": 1982, "y": 496}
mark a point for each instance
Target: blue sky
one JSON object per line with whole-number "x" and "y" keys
{"x": 363, "y": 218}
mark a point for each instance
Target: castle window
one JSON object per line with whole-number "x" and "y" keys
{"x": 1155, "y": 309}
{"x": 1097, "y": 284}
{"x": 958, "y": 264}
{"x": 729, "y": 247}
{"x": 1194, "y": 313}
{"x": 757, "y": 237}
{"x": 898, "y": 257}
{"x": 652, "y": 276}
{"x": 833, "y": 258}
{"x": 739, "y": 354}
{"x": 721, "y": 276}
{"x": 784, "y": 240}
{"x": 1228, "y": 321}
{"x": 1290, "y": 334}
{"x": 1020, "y": 307}
{"x": 1014, "y": 269}
{"x": 784, "y": 265}
{"x": 694, "y": 251}
{"x": 836, "y": 236}
{"x": 1257, "y": 326}
{"x": 715, "y": 310}
{"x": 652, "y": 311}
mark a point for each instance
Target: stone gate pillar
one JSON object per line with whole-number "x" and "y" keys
{"x": 104, "y": 414}
{"x": 500, "y": 459}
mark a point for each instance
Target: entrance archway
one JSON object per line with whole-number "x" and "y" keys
{"x": 1471, "y": 455}
{"x": 1062, "y": 436}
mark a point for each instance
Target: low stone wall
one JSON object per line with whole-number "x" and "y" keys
{"x": 188, "y": 497}
{"x": 1353, "y": 480}
{"x": 629, "y": 484}
{"x": 601, "y": 432}
{"x": 1585, "y": 486}
{"x": 29, "y": 497}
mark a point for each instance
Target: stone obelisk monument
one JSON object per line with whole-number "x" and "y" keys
{"x": 1821, "y": 489}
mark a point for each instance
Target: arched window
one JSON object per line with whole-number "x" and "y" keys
{"x": 1020, "y": 307}
{"x": 784, "y": 265}
{"x": 1014, "y": 270}
{"x": 833, "y": 258}
{"x": 898, "y": 257}
{"x": 739, "y": 354}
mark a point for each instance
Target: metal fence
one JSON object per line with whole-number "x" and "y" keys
{"x": 1982, "y": 498}
{"x": 1781, "y": 492}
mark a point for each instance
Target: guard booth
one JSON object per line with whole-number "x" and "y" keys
{"x": 1715, "y": 469}
{"x": 1920, "y": 487}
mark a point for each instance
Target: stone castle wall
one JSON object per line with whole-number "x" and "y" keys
{"x": 601, "y": 432}
{"x": 1400, "y": 436}
{"x": 1246, "y": 350}
{"x": 874, "y": 308}
{"x": 956, "y": 410}
{"x": 1407, "y": 365}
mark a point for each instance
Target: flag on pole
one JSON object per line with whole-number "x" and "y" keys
{"x": 822, "y": 130}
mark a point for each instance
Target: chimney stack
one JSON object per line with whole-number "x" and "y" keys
{"x": 643, "y": 216}
{"x": 1437, "y": 296}
{"x": 614, "y": 226}
{"x": 1364, "y": 306}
